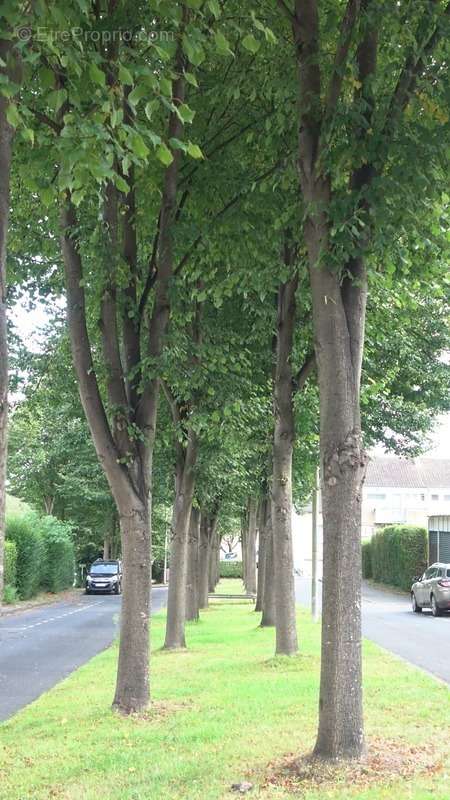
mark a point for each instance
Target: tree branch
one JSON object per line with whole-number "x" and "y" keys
{"x": 300, "y": 378}
{"x": 346, "y": 34}
{"x": 82, "y": 356}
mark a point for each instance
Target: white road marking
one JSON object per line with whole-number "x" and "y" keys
{"x": 51, "y": 619}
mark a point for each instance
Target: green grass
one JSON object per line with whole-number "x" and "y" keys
{"x": 223, "y": 710}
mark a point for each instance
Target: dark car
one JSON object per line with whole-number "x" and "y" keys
{"x": 104, "y": 576}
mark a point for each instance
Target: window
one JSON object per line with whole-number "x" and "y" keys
{"x": 376, "y": 497}
{"x": 447, "y": 498}
{"x": 440, "y": 573}
{"x": 430, "y": 573}
{"x": 435, "y": 497}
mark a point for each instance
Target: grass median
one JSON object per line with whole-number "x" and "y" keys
{"x": 224, "y": 711}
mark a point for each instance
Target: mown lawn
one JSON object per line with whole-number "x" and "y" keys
{"x": 223, "y": 710}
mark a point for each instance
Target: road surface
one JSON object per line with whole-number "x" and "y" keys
{"x": 42, "y": 646}
{"x": 387, "y": 619}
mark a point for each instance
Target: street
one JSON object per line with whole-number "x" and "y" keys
{"x": 40, "y": 647}
{"x": 387, "y": 619}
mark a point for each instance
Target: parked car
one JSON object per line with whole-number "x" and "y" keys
{"x": 104, "y": 576}
{"x": 230, "y": 557}
{"x": 432, "y": 590}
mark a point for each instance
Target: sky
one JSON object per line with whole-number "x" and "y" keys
{"x": 28, "y": 322}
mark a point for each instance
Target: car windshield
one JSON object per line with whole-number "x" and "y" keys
{"x": 103, "y": 569}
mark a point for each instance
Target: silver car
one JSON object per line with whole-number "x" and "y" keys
{"x": 432, "y": 590}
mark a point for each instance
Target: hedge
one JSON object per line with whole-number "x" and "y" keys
{"x": 367, "y": 560}
{"x": 10, "y": 564}
{"x": 230, "y": 569}
{"x": 397, "y": 554}
{"x": 58, "y": 561}
{"x": 45, "y": 553}
{"x": 24, "y": 532}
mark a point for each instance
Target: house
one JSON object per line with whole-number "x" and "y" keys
{"x": 395, "y": 491}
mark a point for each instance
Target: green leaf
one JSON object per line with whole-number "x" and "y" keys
{"x": 193, "y": 50}
{"x": 137, "y": 94}
{"x": 214, "y": 7}
{"x": 222, "y": 45}
{"x": 194, "y": 151}
{"x": 250, "y": 43}
{"x": 150, "y": 107}
{"x": 56, "y": 98}
{"x": 164, "y": 154}
{"x": 138, "y": 145}
{"x": 165, "y": 87}
{"x": 185, "y": 113}
{"x": 177, "y": 144}
{"x": 191, "y": 79}
{"x": 47, "y": 195}
{"x": 97, "y": 75}
{"x": 125, "y": 76}
{"x": 121, "y": 184}
{"x": 28, "y": 135}
{"x": 13, "y": 116}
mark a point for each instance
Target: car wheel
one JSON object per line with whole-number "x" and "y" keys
{"x": 417, "y": 609}
{"x": 117, "y": 588}
{"x": 435, "y": 610}
{"x": 86, "y": 591}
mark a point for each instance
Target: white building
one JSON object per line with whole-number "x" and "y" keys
{"x": 396, "y": 490}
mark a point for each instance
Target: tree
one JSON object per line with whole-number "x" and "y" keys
{"x": 340, "y": 195}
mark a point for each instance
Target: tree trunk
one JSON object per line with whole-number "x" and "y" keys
{"x": 261, "y": 553}
{"x": 343, "y": 463}
{"x": 132, "y": 686}
{"x": 283, "y": 443}
{"x": 250, "y": 558}
{"x": 268, "y": 618}
{"x": 192, "y": 588}
{"x": 203, "y": 571}
{"x": 213, "y": 563}
{"x": 6, "y": 136}
{"x": 176, "y": 600}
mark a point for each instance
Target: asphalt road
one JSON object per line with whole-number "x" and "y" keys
{"x": 387, "y": 619}
{"x": 42, "y": 646}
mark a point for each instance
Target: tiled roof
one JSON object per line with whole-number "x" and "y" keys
{"x": 399, "y": 473}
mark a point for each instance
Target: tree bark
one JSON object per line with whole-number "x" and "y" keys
{"x": 262, "y": 515}
{"x": 343, "y": 464}
{"x": 132, "y": 686}
{"x": 176, "y": 599}
{"x": 204, "y": 548}
{"x": 192, "y": 587}
{"x": 213, "y": 563}
{"x": 283, "y": 443}
{"x": 6, "y": 137}
{"x": 250, "y": 556}
{"x": 268, "y": 618}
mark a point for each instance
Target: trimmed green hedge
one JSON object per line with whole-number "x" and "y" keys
{"x": 397, "y": 554}
{"x": 24, "y": 532}
{"x": 10, "y": 564}
{"x": 44, "y": 553}
{"x": 58, "y": 562}
{"x": 230, "y": 569}
{"x": 367, "y": 560}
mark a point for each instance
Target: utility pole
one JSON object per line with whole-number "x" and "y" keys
{"x": 314, "y": 553}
